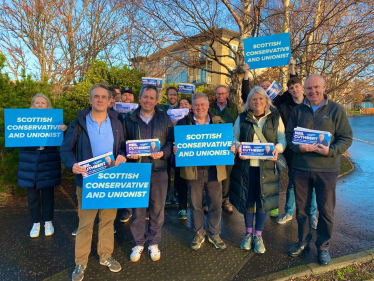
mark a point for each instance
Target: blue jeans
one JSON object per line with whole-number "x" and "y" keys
{"x": 289, "y": 208}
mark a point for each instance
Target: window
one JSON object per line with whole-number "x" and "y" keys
{"x": 231, "y": 54}
{"x": 204, "y": 50}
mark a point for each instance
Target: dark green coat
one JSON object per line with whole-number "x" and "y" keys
{"x": 228, "y": 114}
{"x": 269, "y": 176}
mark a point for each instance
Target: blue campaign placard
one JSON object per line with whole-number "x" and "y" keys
{"x": 267, "y": 51}
{"x": 185, "y": 88}
{"x": 204, "y": 145}
{"x": 157, "y": 82}
{"x": 125, "y": 186}
{"x": 307, "y": 137}
{"x": 33, "y": 127}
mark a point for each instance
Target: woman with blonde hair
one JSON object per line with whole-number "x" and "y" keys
{"x": 254, "y": 183}
{"x": 39, "y": 171}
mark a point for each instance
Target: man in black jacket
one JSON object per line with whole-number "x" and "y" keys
{"x": 96, "y": 131}
{"x": 148, "y": 122}
{"x": 316, "y": 165}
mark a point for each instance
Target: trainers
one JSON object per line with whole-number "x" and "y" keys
{"x": 206, "y": 209}
{"x": 284, "y": 218}
{"x": 167, "y": 202}
{"x": 217, "y": 242}
{"x": 136, "y": 253}
{"x": 227, "y": 207}
{"x": 48, "y": 228}
{"x": 35, "y": 230}
{"x": 78, "y": 273}
{"x": 74, "y": 233}
{"x": 258, "y": 245}
{"x": 182, "y": 214}
{"x": 313, "y": 221}
{"x": 112, "y": 264}
{"x": 274, "y": 213}
{"x": 197, "y": 241}
{"x": 324, "y": 257}
{"x": 154, "y": 252}
{"x": 147, "y": 216}
{"x": 246, "y": 242}
{"x": 176, "y": 201}
{"x": 126, "y": 216}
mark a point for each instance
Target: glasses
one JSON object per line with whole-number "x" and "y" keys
{"x": 221, "y": 94}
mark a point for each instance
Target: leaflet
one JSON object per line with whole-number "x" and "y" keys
{"x": 123, "y": 107}
{"x": 143, "y": 147}
{"x": 308, "y": 136}
{"x": 185, "y": 88}
{"x": 152, "y": 81}
{"x": 97, "y": 164}
{"x": 251, "y": 150}
{"x": 177, "y": 114}
{"x": 274, "y": 90}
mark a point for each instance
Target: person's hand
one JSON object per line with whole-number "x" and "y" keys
{"x": 78, "y": 169}
{"x": 323, "y": 150}
{"x": 275, "y": 155}
{"x": 62, "y": 127}
{"x": 133, "y": 156}
{"x": 240, "y": 151}
{"x": 291, "y": 62}
{"x": 245, "y": 67}
{"x": 175, "y": 149}
{"x": 157, "y": 155}
{"x": 120, "y": 159}
{"x": 174, "y": 122}
{"x": 308, "y": 147}
{"x": 233, "y": 149}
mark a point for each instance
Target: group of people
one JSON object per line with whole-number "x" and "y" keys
{"x": 251, "y": 186}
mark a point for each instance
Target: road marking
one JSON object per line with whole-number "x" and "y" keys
{"x": 363, "y": 141}
{"x": 68, "y": 197}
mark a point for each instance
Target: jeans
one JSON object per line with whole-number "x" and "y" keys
{"x": 289, "y": 208}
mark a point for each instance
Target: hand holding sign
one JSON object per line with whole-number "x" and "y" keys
{"x": 308, "y": 147}
{"x": 323, "y": 149}
{"x": 77, "y": 169}
{"x": 120, "y": 159}
{"x": 275, "y": 153}
{"x": 157, "y": 155}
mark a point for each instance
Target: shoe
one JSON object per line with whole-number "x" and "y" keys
{"x": 35, "y": 230}
{"x": 258, "y": 245}
{"x": 136, "y": 253}
{"x": 78, "y": 273}
{"x": 115, "y": 231}
{"x": 284, "y": 218}
{"x": 74, "y": 233}
{"x": 206, "y": 209}
{"x": 176, "y": 201}
{"x": 313, "y": 221}
{"x": 154, "y": 252}
{"x": 147, "y": 216}
{"x": 167, "y": 202}
{"x": 274, "y": 213}
{"x": 112, "y": 264}
{"x": 297, "y": 250}
{"x": 227, "y": 207}
{"x": 182, "y": 214}
{"x": 48, "y": 228}
{"x": 126, "y": 216}
{"x": 217, "y": 242}
{"x": 246, "y": 242}
{"x": 197, "y": 241}
{"x": 324, "y": 257}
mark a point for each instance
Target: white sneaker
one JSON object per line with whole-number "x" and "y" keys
{"x": 48, "y": 228}
{"x": 35, "y": 230}
{"x": 154, "y": 252}
{"x": 284, "y": 218}
{"x": 136, "y": 253}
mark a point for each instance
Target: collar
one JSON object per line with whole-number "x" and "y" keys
{"x": 325, "y": 102}
{"x": 222, "y": 106}
{"x": 197, "y": 122}
{"x": 92, "y": 121}
{"x": 172, "y": 107}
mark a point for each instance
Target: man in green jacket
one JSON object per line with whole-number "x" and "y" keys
{"x": 172, "y": 100}
{"x": 316, "y": 165}
{"x": 228, "y": 111}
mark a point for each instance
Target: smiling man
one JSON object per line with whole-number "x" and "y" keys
{"x": 317, "y": 165}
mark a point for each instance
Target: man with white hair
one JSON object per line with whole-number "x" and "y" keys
{"x": 317, "y": 165}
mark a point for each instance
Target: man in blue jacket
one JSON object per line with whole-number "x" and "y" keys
{"x": 96, "y": 131}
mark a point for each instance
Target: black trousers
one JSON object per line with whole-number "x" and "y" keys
{"x": 325, "y": 185}
{"x": 226, "y": 185}
{"x": 181, "y": 186}
{"x": 41, "y": 203}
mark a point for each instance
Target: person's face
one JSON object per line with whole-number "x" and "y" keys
{"x": 265, "y": 85}
{"x": 172, "y": 96}
{"x": 184, "y": 104}
{"x": 296, "y": 90}
{"x": 107, "y": 159}
{"x": 258, "y": 103}
{"x": 153, "y": 144}
{"x": 200, "y": 108}
{"x": 40, "y": 103}
{"x": 111, "y": 102}
{"x": 314, "y": 89}
{"x": 321, "y": 137}
{"x": 100, "y": 101}
{"x": 127, "y": 97}
{"x": 267, "y": 148}
{"x": 222, "y": 95}
{"x": 148, "y": 100}
{"x": 117, "y": 98}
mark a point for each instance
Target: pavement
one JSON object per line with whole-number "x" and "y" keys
{"x": 23, "y": 258}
